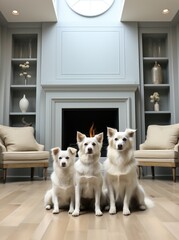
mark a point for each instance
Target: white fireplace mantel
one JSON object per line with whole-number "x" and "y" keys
{"x": 59, "y": 97}
{"x": 90, "y": 87}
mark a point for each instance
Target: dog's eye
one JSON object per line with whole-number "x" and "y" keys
{"x": 116, "y": 139}
{"x": 85, "y": 144}
{"x": 67, "y": 158}
{"x": 124, "y": 139}
{"x": 94, "y": 144}
{"x": 60, "y": 158}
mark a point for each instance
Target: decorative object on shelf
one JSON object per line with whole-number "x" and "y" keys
{"x": 156, "y": 48}
{"x": 26, "y": 124}
{"x": 24, "y": 104}
{"x": 157, "y": 73}
{"x": 156, "y": 107}
{"x": 155, "y": 98}
{"x": 30, "y": 48}
{"x": 24, "y": 74}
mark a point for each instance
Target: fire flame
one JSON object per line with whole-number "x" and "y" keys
{"x": 92, "y": 131}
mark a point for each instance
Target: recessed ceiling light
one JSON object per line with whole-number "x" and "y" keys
{"x": 15, "y": 12}
{"x": 165, "y": 11}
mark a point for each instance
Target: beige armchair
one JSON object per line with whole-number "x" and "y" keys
{"x": 161, "y": 148}
{"x": 19, "y": 149}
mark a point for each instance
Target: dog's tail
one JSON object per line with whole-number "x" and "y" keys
{"x": 148, "y": 202}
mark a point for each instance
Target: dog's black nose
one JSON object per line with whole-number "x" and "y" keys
{"x": 119, "y": 147}
{"x": 90, "y": 150}
{"x": 63, "y": 164}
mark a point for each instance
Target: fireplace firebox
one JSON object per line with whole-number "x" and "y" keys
{"x": 79, "y": 119}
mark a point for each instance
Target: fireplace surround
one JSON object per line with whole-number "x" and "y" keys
{"x": 100, "y": 100}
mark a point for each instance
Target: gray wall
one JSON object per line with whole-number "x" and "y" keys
{"x": 97, "y": 51}
{"x": 83, "y": 50}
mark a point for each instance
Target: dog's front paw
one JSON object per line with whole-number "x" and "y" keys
{"x": 126, "y": 211}
{"x": 98, "y": 212}
{"x": 48, "y": 207}
{"x": 112, "y": 210}
{"x": 55, "y": 211}
{"x": 71, "y": 210}
{"x": 76, "y": 213}
{"x": 142, "y": 207}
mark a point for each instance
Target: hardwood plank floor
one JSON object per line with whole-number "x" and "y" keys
{"x": 23, "y": 216}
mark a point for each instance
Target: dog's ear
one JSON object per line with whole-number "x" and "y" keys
{"x": 55, "y": 151}
{"x": 72, "y": 150}
{"x": 80, "y": 136}
{"x": 130, "y": 132}
{"x": 99, "y": 137}
{"x": 111, "y": 131}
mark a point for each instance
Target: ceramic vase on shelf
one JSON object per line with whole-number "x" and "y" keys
{"x": 30, "y": 48}
{"x": 156, "y": 73}
{"x": 156, "y": 107}
{"x": 24, "y": 104}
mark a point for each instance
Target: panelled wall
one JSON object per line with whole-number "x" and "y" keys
{"x": 85, "y": 63}
{"x": 88, "y": 63}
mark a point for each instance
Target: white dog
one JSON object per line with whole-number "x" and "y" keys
{"x": 121, "y": 172}
{"x": 62, "y": 192}
{"x": 88, "y": 172}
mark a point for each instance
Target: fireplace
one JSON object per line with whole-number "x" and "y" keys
{"x": 72, "y": 108}
{"x": 81, "y": 119}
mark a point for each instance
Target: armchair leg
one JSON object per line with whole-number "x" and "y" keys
{"x": 174, "y": 173}
{"x": 32, "y": 173}
{"x": 153, "y": 172}
{"x": 139, "y": 171}
{"x": 4, "y": 174}
{"x": 45, "y": 173}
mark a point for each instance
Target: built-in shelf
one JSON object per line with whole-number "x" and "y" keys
{"x": 24, "y": 49}
{"x": 154, "y": 48}
{"x": 22, "y": 113}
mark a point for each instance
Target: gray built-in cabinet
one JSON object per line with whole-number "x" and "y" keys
{"x": 23, "y": 49}
{"x": 155, "y": 64}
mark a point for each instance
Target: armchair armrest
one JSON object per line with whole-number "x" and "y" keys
{"x": 142, "y": 146}
{"x": 41, "y": 147}
{"x": 176, "y": 148}
{"x": 2, "y": 147}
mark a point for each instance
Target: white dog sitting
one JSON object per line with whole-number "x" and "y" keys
{"x": 120, "y": 172}
{"x": 88, "y": 180}
{"x": 62, "y": 192}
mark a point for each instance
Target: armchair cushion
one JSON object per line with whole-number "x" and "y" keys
{"x": 25, "y": 156}
{"x": 156, "y": 155}
{"x": 161, "y": 137}
{"x": 18, "y": 138}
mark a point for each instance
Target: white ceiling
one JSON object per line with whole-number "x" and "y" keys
{"x": 30, "y": 10}
{"x": 149, "y": 10}
{"x": 45, "y": 11}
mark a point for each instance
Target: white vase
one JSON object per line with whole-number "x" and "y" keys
{"x": 157, "y": 74}
{"x": 156, "y": 107}
{"x": 24, "y": 104}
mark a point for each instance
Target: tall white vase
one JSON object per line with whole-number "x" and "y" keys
{"x": 157, "y": 73}
{"x": 24, "y": 104}
{"x": 156, "y": 107}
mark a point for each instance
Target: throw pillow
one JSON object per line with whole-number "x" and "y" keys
{"x": 18, "y": 138}
{"x": 162, "y": 137}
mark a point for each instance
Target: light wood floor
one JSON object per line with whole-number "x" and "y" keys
{"x": 22, "y": 216}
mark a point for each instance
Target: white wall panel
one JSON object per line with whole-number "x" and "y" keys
{"x": 90, "y": 53}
